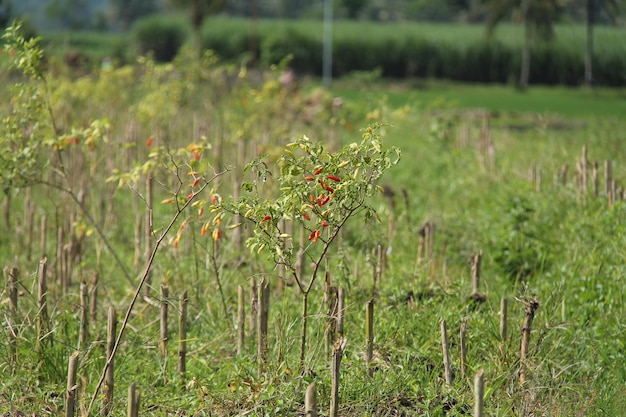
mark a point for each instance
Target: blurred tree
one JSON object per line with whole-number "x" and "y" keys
{"x": 71, "y": 14}
{"x": 5, "y": 13}
{"x": 199, "y": 10}
{"x": 125, "y": 12}
{"x": 353, "y": 7}
{"x": 537, "y": 16}
{"x": 593, "y": 9}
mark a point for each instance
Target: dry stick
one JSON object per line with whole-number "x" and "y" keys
{"x": 476, "y": 269}
{"x": 133, "y": 400}
{"x": 163, "y": 321}
{"x": 144, "y": 277}
{"x": 479, "y": 392}
{"x": 12, "y": 284}
{"x": 463, "y": 343}
{"x": 93, "y": 302}
{"x": 446, "y": 353}
{"x": 310, "y": 400}
{"x": 84, "y": 315}
{"x": 44, "y": 227}
{"x": 503, "y": 319}
{"x": 182, "y": 335}
{"x": 70, "y": 395}
{"x": 241, "y": 320}
{"x": 369, "y": 336}
{"x": 254, "y": 305}
{"x": 530, "y": 308}
{"x": 263, "y": 313}
{"x": 42, "y": 316}
{"x": 109, "y": 373}
{"x": 341, "y": 303}
{"x": 340, "y": 345}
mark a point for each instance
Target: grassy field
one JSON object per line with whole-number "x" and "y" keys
{"x": 491, "y": 182}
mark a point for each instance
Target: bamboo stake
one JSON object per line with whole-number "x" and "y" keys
{"x": 479, "y": 392}
{"x": 341, "y": 306}
{"x": 340, "y": 345}
{"x": 369, "y": 336}
{"x": 182, "y": 335}
{"x": 503, "y": 319}
{"x": 595, "y": 179}
{"x": 109, "y": 383}
{"x": 133, "y": 400}
{"x": 530, "y": 308}
{"x": 84, "y": 315}
{"x": 93, "y": 302}
{"x": 608, "y": 176}
{"x": 70, "y": 396}
{"x": 44, "y": 227}
{"x": 310, "y": 400}
{"x": 263, "y": 313}
{"x": 463, "y": 343}
{"x": 254, "y": 305}
{"x": 241, "y": 320}
{"x": 43, "y": 326}
{"x": 446, "y": 354}
{"x": 163, "y": 321}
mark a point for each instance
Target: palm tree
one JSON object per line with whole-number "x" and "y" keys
{"x": 537, "y": 16}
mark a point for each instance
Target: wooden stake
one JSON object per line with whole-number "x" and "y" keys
{"x": 446, "y": 353}
{"x": 182, "y": 334}
{"x": 163, "y": 321}
{"x": 310, "y": 400}
{"x": 254, "y": 305}
{"x": 84, "y": 315}
{"x": 369, "y": 336}
{"x": 479, "y": 392}
{"x": 44, "y": 221}
{"x": 133, "y": 400}
{"x": 476, "y": 261}
{"x": 595, "y": 179}
{"x": 341, "y": 306}
{"x": 43, "y": 327}
{"x": 608, "y": 176}
{"x": 263, "y": 314}
{"x": 338, "y": 348}
{"x": 463, "y": 343}
{"x": 70, "y": 396}
{"x": 241, "y": 320}
{"x": 530, "y": 308}
{"x": 109, "y": 381}
{"x": 503, "y": 319}
{"x": 93, "y": 302}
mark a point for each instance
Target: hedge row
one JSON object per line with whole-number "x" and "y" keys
{"x": 428, "y": 51}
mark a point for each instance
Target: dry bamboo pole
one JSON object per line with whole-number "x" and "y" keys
{"x": 241, "y": 320}
{"x": 338, "y": 348}
{"x": 479, "y": 392}
{"x": 109, "y": 382}
{"x": 503, "y": 319}
{"x": 476, "y": 266}
{"x": 43, "y": 235}
{"x": 43, "y": 326}
{"x": 463, "y": 343}
{"x": 608, "y": 176}
{"x": 133, "y": 401}
{"x": 341, "y": 309}
{"x": 72, "y": 387}
{"x": 369, "y": 336}
{"x": 163, "y": 321}
{"x": 446, "y": 354}
{"x": 310, "y": 400}
{"x": 530, "y": 308}
{"x": 263, "y": 314}
{"x": 13, "y": 277}
{"x": 254, "y": 305}
{"x": 84, "y": 315}
{"x": 182, "y": 334}
{"x": 147, "y": 248}
{"x": 93, "y": 301}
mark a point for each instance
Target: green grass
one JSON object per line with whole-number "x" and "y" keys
{"x": 567, "y": 247}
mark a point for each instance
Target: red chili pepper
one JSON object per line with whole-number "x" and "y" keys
{"x": 190, "y": 196}
{"x": 196, "y": 155}
{"x": 314, "y": 236}
{"x": 312, "y": 198}
{"x": 318, "y": 170}
{"x": 309, "y": 178}
{"x": 195, "y": 182}
{"x": 333, "y": 177}
{"x": 266, "y": 218}
{"x": 306, "y": 215}
{"x": 149, "y": 141}
{"x": 324, "y": 200}
{"x": 330, "y": 189}
{"x": 324, "y": 224}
